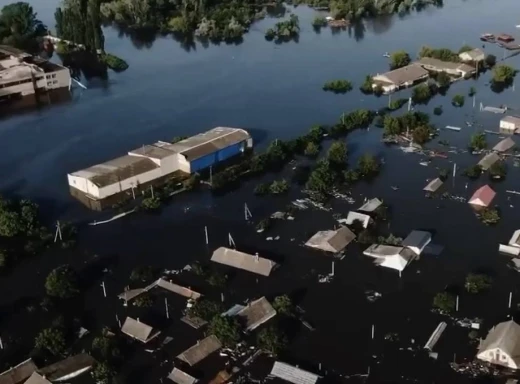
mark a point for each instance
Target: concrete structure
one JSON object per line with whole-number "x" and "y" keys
{"x": 22, "y": 75}
{"x": 139, "y": 331}
{"x": 417, "y": 241}
{"x": 201, "y": 350}
{"x": 399, "y": 78}
{"x": 293, "y": 374}
{"x": 451, "y": 68}
{"x": 153, "y": 164}
{"x": 510, "y": 123}
{"x": 181, "y": 377}
{"x": 256, "y": 313}
{"x": 475, "y": 55}
{"x": 504, "y": 145}
{"x": 19, "y": 373}
{"x": 433, "y": 185}
{"x": 331, "y": 241}
{"x": 482, "y": 196}
{"x": 353, "y": 216}
{"x": 245, "y": 261}
{"x": 488, "y": 160}
{"x": 68, "y": 368}
{"x": 390, "y": 256}
{"x": 502, "y": 345}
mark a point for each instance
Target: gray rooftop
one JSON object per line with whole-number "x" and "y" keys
{"x": 292, "y": 374}
{"x": 443, "y": 65}
{"x": 245, "y": 261}
{"x": 256, "y": 313}
{"x": 488, "y": 160}
{"x": 178, "y": 289}
{"x": 138, "y": 330}
{"x": 433, "y": 185}
{"x": 152, "y": 151}
{"x": 505, "y": 336}
{"x": 113, "y": 171}
{"x": 180, "y": 377}
{"x": 504, "y": 145}
{"x": 331, "y": 241}
{"x": 381, "y": 250}
{"x": 201, "y": 350}
{"x": 18, "y": 373}
{"x": 406, "y": 74}
{"x": 475, "y": 54}
{"x": 36, "y": 378}
{"x": 418, "y": 239}
{"x": 68, "y": 366}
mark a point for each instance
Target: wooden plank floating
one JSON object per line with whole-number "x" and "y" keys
{"x": 451, "y": 128}
{"x": 434, "y": 338}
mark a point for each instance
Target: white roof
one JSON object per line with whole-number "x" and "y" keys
{"x": 433, "y": 185}
{"x": 245, "y": 261}
{"x": 353, "y": 216}
{"x": 371, "y": 205}
{"x": 331, "y": 241}
{"x": 417, "y": 240}
{"x": 137, "y": 330}
{"x": 505, "y": 336}
{"x": 181, "y": 377}
{"x": 292, "y": 374}
{"x": 390, "y": 256}
{"x": 515, "y": 239}
{"x": 256, "y": 313}
{"x": 511, "y": 119}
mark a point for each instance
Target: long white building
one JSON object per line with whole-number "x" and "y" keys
{"x": 153, "y": 162}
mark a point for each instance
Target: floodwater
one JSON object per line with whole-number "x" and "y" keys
{"x": 275, "y": 92}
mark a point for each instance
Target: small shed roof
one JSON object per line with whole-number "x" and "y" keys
{"x": 371, "y": 205}
{"x": 433, "y": 185}
{"x": 331, "y": 241}
{"x": 137, "y": 330}
{"x": 511, "y": 119}
{"x": 293, "y": 374}
{"x": 68, "y": 366}
{"x": 504, "y": 145}
{"x": 181, "y": 377}
{"x": 474, "y": 54}
{"x": 256, "y": 313}
{"x": 381, "y": 250}
{"x": 18, "y": 373}
{"x": 245, "y": 261}
{"x": 488, "y": 160}
{"x": 417, "y": 240}
{"x": 483, "y": 196}
{"x": 405, "y": 74}
{"x": 353, "y": 216}
{"x": 505, "y": 336}
{"x": 178, "y": 289}
{"x": 36, "y": 378}
{"x": 201, "y": 350}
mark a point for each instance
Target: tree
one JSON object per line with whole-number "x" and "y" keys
{"x": 473, "y": 172}
{"x": 338, "y": 86}
{"x": 205, "y": 309}
{"x": 490, "y": 60}
{"x": 337, "y": 155}
{"x": 62, "y": 282}
{"x": 283, "y": 305}
{"x": 489, "y": 216}
{"x": 437, "y": 111}
{"x": 151, "y": 203}
{"x": 143, "y": 301}
{"x": 312, "y": 149}
{"x": 503, "y": 73}
{"x": 270, "y": 339}
{"x": 421, "y": 94}
{"x": 103, "y": 373}
{"x": 144, "y": 274}
{"x": 19, "y": 26}
{"x": 457, "y": 101}
{"x": 216, "y": 279}
{"x": 106, "y": 346}
{"x": 51, "y": 340}
{"x": 498, "y": 170}
{"x": 477, "y": 282}
{"x": 478, "y": 141}
{"x": 367, "y": 165}
{"x": 444, "y": 301}
{"x": 319, "y": 21}
{"x": 444, "y": 80}
{"x": 278, "y": 187}
{"x": 399, "y": 59}
{"x": 321, "y": 179}
{"x": 392, "y": 125}
{"x": 472, "y": 91}
{"x": 465, "y": 48}
{"x": 262, "y": 189}
{"x": 421, "y": 134}
{"x": 226, "y": 329}
{"x": 350, "y": 176}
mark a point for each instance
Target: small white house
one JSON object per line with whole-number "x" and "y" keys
{"x": 390, "y": 256}
{"x": 510, "y": 123}
{"x": 353, "y": 216}
{"x": 502, "y": 345}
{"x": 475, "y": 55}
{"x": 417, "y": 241}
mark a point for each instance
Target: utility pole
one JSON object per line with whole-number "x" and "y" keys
{"x": 166, "y": 306}
{"x": 151, "y": 190}
{"x": 58, "y": 232}
{"x": 133, "y": 192}
{"x": 247, "y": 212}
{"x": 231, "y": 241}
{"x": 373, "y": 331}
{"x": 206, "y": 233}
{"x": 457, "y": 304}
{"x": 510, "y": 298}
{"x": 104, "y": 289}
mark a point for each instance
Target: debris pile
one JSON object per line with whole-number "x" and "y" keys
{"x": 475, "y": 368}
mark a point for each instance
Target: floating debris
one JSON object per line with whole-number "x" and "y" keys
{"x": 475, "y": 369}
{"x": 373, "y": 295}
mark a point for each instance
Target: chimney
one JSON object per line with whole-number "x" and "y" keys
{"x": 198, "y": 342}
{"x": 138, "y": 320}
{"x": 256, "y": 257}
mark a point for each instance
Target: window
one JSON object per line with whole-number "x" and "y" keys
{"x": 54, "y": 76}
{"x": 49, "y": 83}
{"x": 55, "y": 82}
{"x": 504, "y": 357}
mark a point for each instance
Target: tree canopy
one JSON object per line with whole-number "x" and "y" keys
{"x": 399, "y": 59}
{"x": 226, "y": 328}
{"x": 62, "y": 282}
{"x": 503, "y": 73}
{"x": 51, "y": 340}
{"x": 19, "y": 26}
{"x": 272, "y": 340}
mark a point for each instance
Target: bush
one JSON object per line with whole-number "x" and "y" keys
{"x": 477, "y": 282}
{"x": 444, "y": 301}
{"x": 399, "y": 59}
{"x": 422, "y": 94}
{"x": 498, "y": 170}
{"x": 312, "y": 149}
{"x": 113, "y": 62}
{"x": 457, "y": 101}
{"x": 143, "y": 301}
{"x": 262, "y": 189}
{"x": 103, "y": 373}
{"x": 366, "y": 87}
{"x": 226, "y": 329}
{"x": 489, "y": 216}
{"x": 319, "y": 21}
{"x": 51, "y": 340}
{"x": 503, "y": 73}
{"x": 151, "y": 203}
{"x": 473, "y": 172}
{"x": 283, "y": 305}
{"x": 421, "y": 135}
{"x": 279, "y": 187}
{"x": 437, "y": 111}
{"x": 62, "y": 282}
{"x": 472, "y": 92}
{"x": 490, "y": 61}
{"x": 444, "y": 80}
{"x": 270, "y": 339}
{"x": 338, "y": 86}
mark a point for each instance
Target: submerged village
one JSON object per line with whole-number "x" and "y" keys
{"x": 317, "y": 273}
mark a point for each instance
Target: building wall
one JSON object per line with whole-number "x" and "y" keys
{"x": 127, "y": 184}
{"x": 184, "y": 165}
{"x": 84, "y": 185}
{"x": 491, "y": 355}
{"x": 203, "y": 162}
{"x": 57, "y": 79}
{"x": 507, "y": 125}
{"x": 233, "y": 150}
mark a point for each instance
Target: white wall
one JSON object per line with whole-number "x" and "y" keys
{"x": 56, "y": 79}
{"x": 184, "y": 165}
{"x": 507, "y": 125}
{"x": 169, "y": 164}
{"x": 489, "y": 355}
{"x": 127, "y": 184}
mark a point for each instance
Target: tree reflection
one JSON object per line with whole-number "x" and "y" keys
{"x": 357, "y": 29}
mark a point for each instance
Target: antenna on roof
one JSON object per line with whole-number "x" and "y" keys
{"x": 247, "y": 212}
{"x": 231, "y": 241}
{"x": 58, "y": 232}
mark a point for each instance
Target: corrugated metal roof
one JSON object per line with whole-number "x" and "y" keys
{"x": 67, "y": 366}
{"x": 241, "y": 260}
{"x": 257, "y": 313}
{"x": 137, "y": 330}
{"x": 18, "y": 373}
{"x": 292, "y": 374}
{"x": 433, "y": 185}
{"x": 201, "y": 350}
{"x": 331, "y": 241}
{"x": 178, "y": 289}
{"x": 180, "y": 377}
{"x": 504, "y": 145}
{"x": 488, "y": 160}
{"x": 152, "y": 151}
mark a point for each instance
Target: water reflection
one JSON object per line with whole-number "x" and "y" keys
{"x": 380, "y": 24}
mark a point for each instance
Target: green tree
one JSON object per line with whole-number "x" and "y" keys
{"x": 143, "y": 274}
{"x": 489, "y": 216}
{"x": 437, "y": 111}
{"x": 312, "y": 149}
{"x": 477, "y": 282}
{"x": 503, "y": 73}
{"x": 473, "y": 172}
{"x": 350, "y": 176}
{"x": 319, "y": 21}
{"x": 392, "y": 125}
{"x": 490, "y": 61}
{"x": 206, "y": 309}
{"x": 457, "y": 101}
{"x": 472, "y": 91}
{"x": 51, "y": 340}
{"x": 279, "y": 187}
{"x": 421, "y": 134}
{"x": 478, "y": 141}
{"x": 399, "y": 59}
{"x": 337, "y": 155}
{"x": 367, "y": 165}
{"x": 498, "y": 170}
{"x": 262, "y": 189}
{"x": 421, "y": 94}
{"x": 338, "y": 86}
{"x": 444, "y": 301}
{"x": 270, "y": 339}
{"x": 367, "y": 86}
{"x": 19, "y": 26}
{"x": 103, "y": 373}
{"x": 144, "y": 301}
{"x": 151, "y": 203}
{"x": 62, "y": 282}
{"x": 321, "y": 179}
{"x": 283, "y": 305}
{"x": 226, "y": 329}
{"x": 465, "y": 48}
{"x": 106, "y": 346}
{"x": 444, "y": 80}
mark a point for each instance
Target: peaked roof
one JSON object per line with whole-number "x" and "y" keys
{"x": 488, "y": 160}
{"x": 201, "y": 350}
{"x": 504, "y": 145}
{"x": 293, "y": 374}
{"x": 18, "y": 373}
{"x": 137, "y": 330}
{"x": 505, "y": 336}
{"x": 245, "y": 261}
{"x": 371, "y": 205}
{"x": 331, "y": 241}
{"x": 256, "y": 313}
{"x": 417, "y": 239}
{"x": 181, "y": 377}
{"x": 483, "y": 196}
{"x": 433, "y": 185}
{"x": 36, "y": 378}
{"x": 67, "y": 367}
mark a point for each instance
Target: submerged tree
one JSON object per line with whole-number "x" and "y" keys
{"x": 272, "y": 340}
{"x": 19, "y": 26}
{"x": 444, "y": 301}
{"x": 226, "y": 329}
{"x": 477, "y": 282}
{"x": 51, "y": 340}
{"x": 489, "y": 216}
{"x": 62, "y": 282}
{"x": 368, "y": 165}
{"x": 283, "y": 305}
{"x": 478, "y": 141}
{"x": 399, "y": 59}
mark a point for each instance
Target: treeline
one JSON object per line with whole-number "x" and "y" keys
{"x": 20, "y": 28}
